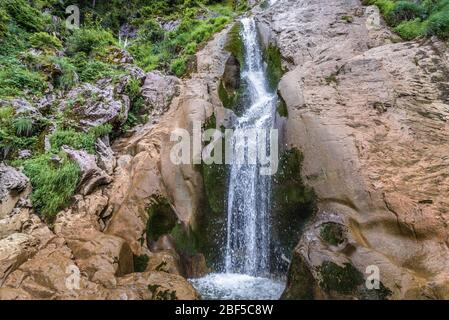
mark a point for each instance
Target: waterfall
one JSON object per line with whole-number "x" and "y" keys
{"x": 248, "y": 227}
{"x": 247, "y": 265}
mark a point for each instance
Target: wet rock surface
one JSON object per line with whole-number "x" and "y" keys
{"x": 370, "y": 117}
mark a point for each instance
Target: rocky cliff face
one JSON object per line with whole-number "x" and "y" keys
{"x": 370, "y": 115}
{"x": 105, "y": 235}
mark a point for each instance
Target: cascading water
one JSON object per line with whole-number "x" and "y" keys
{"x": 247, "y": 249}
{"x": 246, "y": 262}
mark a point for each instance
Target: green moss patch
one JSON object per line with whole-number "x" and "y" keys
{"x": 141, "y": 263}
{"x": 161, "y": 218}
{"x": 234, "y": 44}
{"x": 340, "y": 279}
{"x": 273, "y": 58}
{"x": 293, "y": 203}
{"x": 332, "y": 233}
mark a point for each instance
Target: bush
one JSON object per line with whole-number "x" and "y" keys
{"x": 88, "y": 40}
{"x": 78, "y": 140}
{"x": 23, "y": 126}
{"x": 4, "y": 20}
{"x": 404, "y": 11}
{"x": 151, "y": 31}
{"x": 44, "y": 40}
{"x": 16, "y": 80}
{"x": 94, "y": 70}
{"x": 438, "y": 24}
{"x": 179, "y": 66}
{"x": 68, "y": 77}
{"x": 25, "y": 15}
{"x": 409, "y": 30}
{"x": 53, "y": 183}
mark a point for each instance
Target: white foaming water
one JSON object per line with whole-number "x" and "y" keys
{"x": 232, "y": 286}
{"x": 248, "y": 231}
{"x": 246, "y": 265}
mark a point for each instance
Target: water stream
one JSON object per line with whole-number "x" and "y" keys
{"x": 246, "y": 267}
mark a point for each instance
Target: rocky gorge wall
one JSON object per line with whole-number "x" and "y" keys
{"x": 369, "y": 114}
{"x": 106, "y": 233}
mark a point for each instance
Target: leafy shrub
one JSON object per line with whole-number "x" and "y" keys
{"x": 72, "y": 138}
{"x": 409, "y": 30}
{"x": 179, "y": 66}
{"x": 16, "y": 80}
{"x": 4, "y": 19}
{"x": 100, "y": 131}
{"x": 53, "y": 183}
{"x": 94, "y": 70}
{"x": 44, "y": 40}
{"x": 405, "y": 10}
{"x": 151, "y": 31}
{"x": 88, "y": 40}
{"x": 78, "y": 140}
{"x": 68, "y": 77}
{"x": 438, "y": 24}
{"x": 414, "y": 19}
{"x": 25, "y": 15}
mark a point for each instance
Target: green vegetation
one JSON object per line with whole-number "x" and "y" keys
{"x": 161, "y": 218}
{"x": 89, "y": 40}
{"x": 274, "y": 66}
{"x": 54, "y": 183}
{"x": 332, "y": 233}
{"x": 341, "y": 279}
{"x": 78, "y": 140}
{"x": 140, "y": 263}
{"x": 282, "y": 108}
{"x": 413, "y": 19}
{"x": 293, "y": 203}
{"x": 234, "y": 44}
{"x": 348, "y": 19}
{"x": 44, "y": 40}
{"x": 39, "y": 55}
{"x": 172, "y": 50}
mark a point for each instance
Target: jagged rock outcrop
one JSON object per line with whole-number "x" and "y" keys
{"x": 91, "y": 175}
{"x": 158, "y": 90}
{"x": 93, "y": 105}
{"x": 370, "y": 117}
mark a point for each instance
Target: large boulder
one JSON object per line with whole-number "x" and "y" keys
{"x": 15, "y": 250}
{"x": 93, "y": 105}
{"x": 159, "y": 286}
{"x": 91, "y": 175}
{"x": 158, "y": 90}
{"x": 13, "y": 186}
{"x": 370, "y": 117}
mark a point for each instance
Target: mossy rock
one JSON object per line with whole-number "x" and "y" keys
{"x": 213, "y": 222}
{"x": 161, "y": 218}
{"x": 140, "y": 263}
{"x": 332, "y": 233}
{"x": 273, "y": 58}
{"x": 293, "y": 203}
{"x": 344, "y": 279}
{"x": 186, "y": 240}
{"x": 300, "y": 282}
{"x": 282, "y": 108}
{"x": 231, "y": 90}
{"x": 235, "y": 45}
